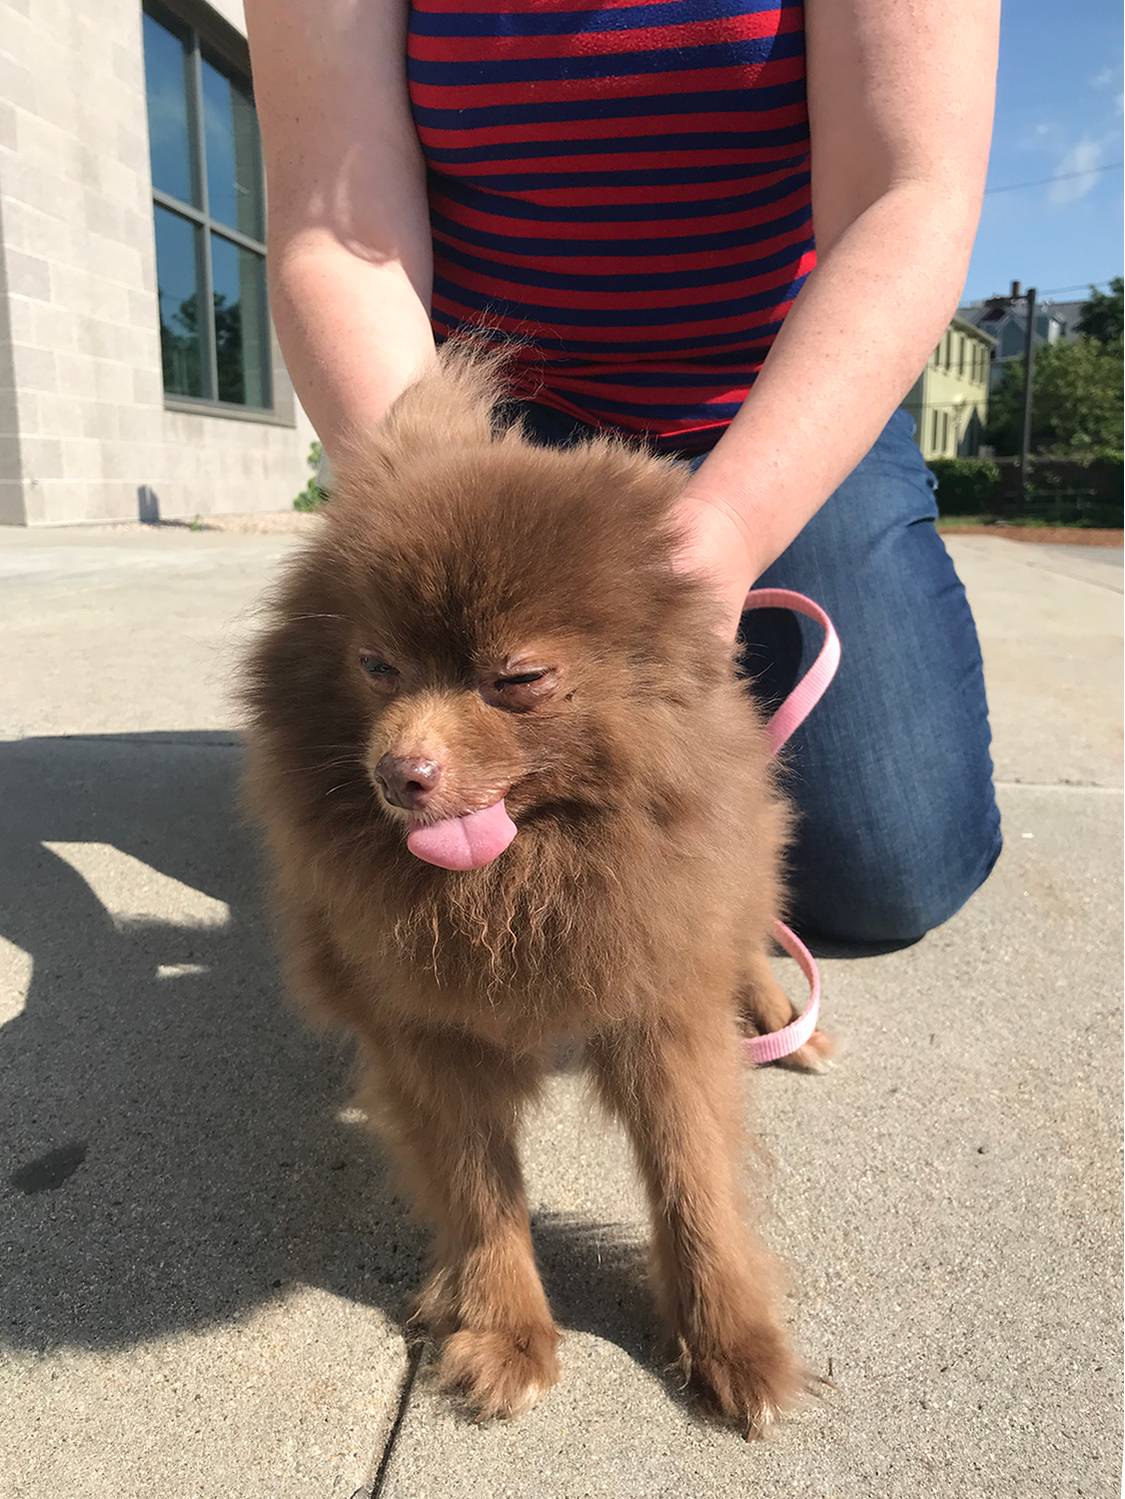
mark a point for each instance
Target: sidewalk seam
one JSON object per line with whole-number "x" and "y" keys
{"x": 1059, "y": 786}
{"x": 152, "y": 739}
{"x": 409, "y": 1378}
{"x": 1042, "y": 567}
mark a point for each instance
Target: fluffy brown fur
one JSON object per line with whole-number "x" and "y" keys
{"x": 632, "y": 910}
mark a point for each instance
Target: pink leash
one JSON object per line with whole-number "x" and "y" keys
{"x": 792, "y": 713}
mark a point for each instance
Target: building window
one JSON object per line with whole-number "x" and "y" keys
{"x": 209, "y": 206}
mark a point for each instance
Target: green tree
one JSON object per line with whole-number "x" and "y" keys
{"x": 1076, "y": 402}
{"x": 1103, "y": 314}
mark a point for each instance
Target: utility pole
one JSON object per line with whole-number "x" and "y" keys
{"x": 1028, "y": 386}
{"x": 997, "y": 304}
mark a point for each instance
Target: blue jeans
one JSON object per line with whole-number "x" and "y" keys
{"x": 891, "y": 775}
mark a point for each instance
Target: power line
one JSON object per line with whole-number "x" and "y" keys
{"x": 1048, "y": 291}
{"x": 1052, "y": 291}
{"x": 1012, "y": 187}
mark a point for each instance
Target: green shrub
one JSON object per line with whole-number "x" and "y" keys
{"x": 1110, "y": 457}
{"x": 966, "y": 486}
{"x": 312, "y": 497}
{"x": 1077, "y": 489}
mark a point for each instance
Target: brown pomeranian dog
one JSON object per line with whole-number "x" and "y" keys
{"x": 516, "y": 795}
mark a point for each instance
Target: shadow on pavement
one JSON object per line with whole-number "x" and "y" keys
{"x": 171, "y": 1147}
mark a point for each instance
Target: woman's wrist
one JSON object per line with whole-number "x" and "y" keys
{"x": 719, "y": 547}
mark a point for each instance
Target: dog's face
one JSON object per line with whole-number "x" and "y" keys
{"x": 488, "y": 640}
{"x": 464, "y": 739}
{"x": 508, "y": 637}
{"x": 448, "y": 737}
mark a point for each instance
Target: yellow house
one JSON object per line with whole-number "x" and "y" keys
{"x": 949, "y": 400}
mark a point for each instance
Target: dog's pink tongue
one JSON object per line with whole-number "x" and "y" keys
{"x": 464, "y": 842}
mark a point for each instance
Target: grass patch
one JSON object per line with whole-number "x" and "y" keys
{"x": 1008, "y": 522}
{"x": 1030, "y": 529}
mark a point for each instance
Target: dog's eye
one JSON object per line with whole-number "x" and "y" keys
{"x": 520, "y": 691}
{"x": 381, "y": 670}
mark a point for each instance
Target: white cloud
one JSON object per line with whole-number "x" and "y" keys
{"x": 1037, "y": 137}
{"x": 1104, "y": 78}
{"x": 1077, "y": 171}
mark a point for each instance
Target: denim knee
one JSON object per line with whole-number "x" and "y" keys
{"x": 899, "y": 896}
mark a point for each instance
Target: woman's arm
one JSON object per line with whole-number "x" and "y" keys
{"x": 349, "y": 230}
{"x": 900, "y": 104}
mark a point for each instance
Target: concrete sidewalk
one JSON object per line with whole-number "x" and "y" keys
{"x": 202, "y": 1265}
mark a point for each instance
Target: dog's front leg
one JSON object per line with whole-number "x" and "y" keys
{"x": 449, "y": 1107}
{"x": 675, "y": 1083}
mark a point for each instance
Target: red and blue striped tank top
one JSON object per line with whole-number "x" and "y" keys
{"x": 622, "y": 189}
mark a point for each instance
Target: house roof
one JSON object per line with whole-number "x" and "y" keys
{"x": 1016, "y": 317}
{"x": 1065, "y": 314}
{"x": 1068, "y": 314}
{"x": 965, "y": 325}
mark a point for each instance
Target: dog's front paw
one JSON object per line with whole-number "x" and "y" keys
{"x": 500, "y": 1374}
{"x": 750, "y": 1380}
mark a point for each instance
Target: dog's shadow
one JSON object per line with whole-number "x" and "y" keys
{"x": 176, "y": 1149}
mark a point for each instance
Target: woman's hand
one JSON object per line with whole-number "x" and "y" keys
{"x": 719, "y": 549}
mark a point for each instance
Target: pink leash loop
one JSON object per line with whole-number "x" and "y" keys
{"x": 814, "y": 684}
{"x": 792, "y": 713}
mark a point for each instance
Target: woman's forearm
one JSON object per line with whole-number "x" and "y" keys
{"x": 900, "y": 111}
{"x": 354, "y": 334}
{"x": 850, "y": 349}
{"x": 349, "y": 226}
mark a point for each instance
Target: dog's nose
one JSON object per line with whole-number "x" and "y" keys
{"x": 408, "y": 780}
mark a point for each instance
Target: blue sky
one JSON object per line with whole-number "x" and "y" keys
{"x": 1058, "y": 111}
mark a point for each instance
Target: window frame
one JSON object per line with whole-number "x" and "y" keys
{"x": 274, "y": 411}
